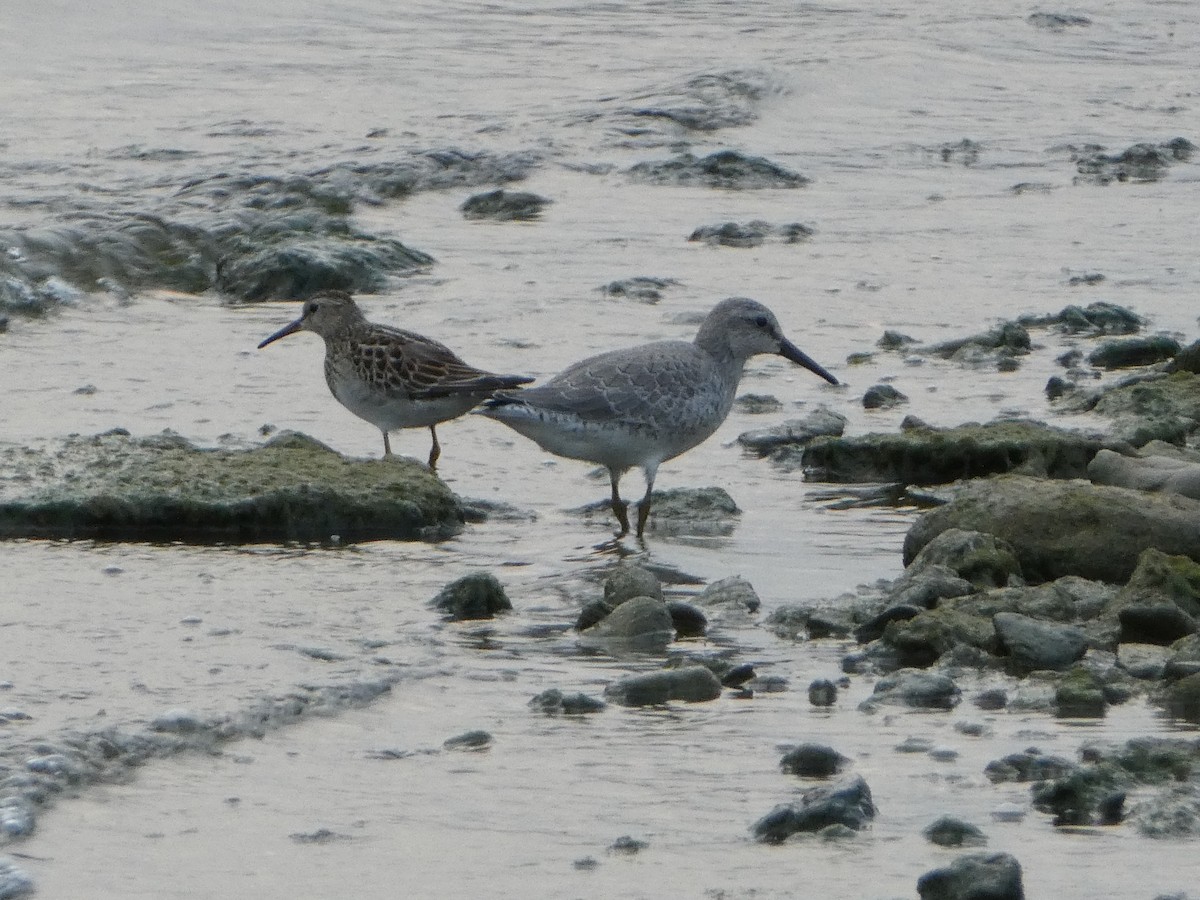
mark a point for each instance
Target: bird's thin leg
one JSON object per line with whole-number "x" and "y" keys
{"x": 387, "y": 445}
{"x": 619, "y": 507}
{"x": 434, "y": 451}
{"x": 644, "y": 505}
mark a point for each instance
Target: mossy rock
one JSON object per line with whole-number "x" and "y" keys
{"x": 116, "y": 487}
{"x": 926, "y": 455}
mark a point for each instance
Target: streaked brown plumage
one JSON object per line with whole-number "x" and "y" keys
{"x": 390, "y": 377}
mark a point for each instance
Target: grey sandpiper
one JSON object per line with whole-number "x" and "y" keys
{"x": 644, "y": 405}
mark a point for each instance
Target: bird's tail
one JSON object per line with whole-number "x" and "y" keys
{"x": 483, "y": 384}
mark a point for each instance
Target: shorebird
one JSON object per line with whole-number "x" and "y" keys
{"x": 392, "y": 378}
{"x": 644, "y": 405}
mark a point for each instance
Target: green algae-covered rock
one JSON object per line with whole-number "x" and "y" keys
{"x": 116, "y": 487}
{"x": 1059, "y": 528}
{"x": 924, "y": 455}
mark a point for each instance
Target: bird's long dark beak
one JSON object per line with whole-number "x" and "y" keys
{"x": 283, "y": 332}
{"x": 788, "y": 350}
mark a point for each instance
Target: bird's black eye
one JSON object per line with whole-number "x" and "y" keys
{"x": 313, "y": 307}
{"x": 761, "y": 321}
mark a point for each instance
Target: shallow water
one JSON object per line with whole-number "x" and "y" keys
{"x": 112, "y": 110}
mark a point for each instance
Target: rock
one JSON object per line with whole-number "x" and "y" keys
{"x": 750, "y": 234}
{"x": 116, "y": 487}
{"x": 847, "y": 803}
{"x": 991, "y": 699}
{"x": 640, "y": 624}
{"x": 691, "y": 684}
{"x": 976, "y": 876}
{"x": 757, "y": 405}
{"x": 883, "y": 396}
{"x": 687, "y": 620}
{"x": 927, "y": 583}
{"x": 1182, "y": 698}
{"x": 1161, "y": 579}
{"x": 1174, "y": 397}
{"x": 822, "y": 692}
{"x": 738, "y": 675}
{"x": 554, "y": 702}
{"x": 1032, "y": 644}
{"x": 1059, "y": 528}
{"x": 13, "y": 880}
{"x": 1146, "y": 473}
{"x": 626, "y": 581}
{"x": 504, "y": 206}
{"x": 1097, "y": 318}
{"x": 874, "y": 627}
{"x": 722, "y": 169}
{"x": 1160, "y": 623}
{"x": 911, "y": 687}
{"x": 470, "y": 740}
{"x": 1139, "y": 351}
{"x": 922, "y": 640}
{"x": 178, "y": 721}
{"x": 1137, "y": 163}
{"x": 1080, "y": 695}
{"x": 732, "y": 593}
{"x": 627, "y": 845}
{"x": 794, "y": 432}
{"x": 948, "y": 831}
{"x": 981, "y": 559}
{"x": 691, "y": 510}
{"x": 476, "y": 596}
{"x": 1186, "y": 360}
{"x": 1147, "y": 662}
{"x": 641, "y": 288}
{"x": 593, "y": 611}
{"x": 1032, "y": 765}
{"x": 813, "y": 760}
{"x": 925, "y": 455}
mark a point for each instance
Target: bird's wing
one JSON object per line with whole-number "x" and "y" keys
{"x": 412, "y": 365}
{"x": 629, "y": 385}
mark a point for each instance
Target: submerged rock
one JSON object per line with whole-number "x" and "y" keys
{"x": 554, "y": 702}
{"x": 691, "y": 684}
{"x": 722, "y": 169}
{"x": 627, "y": 580}
{"x": 924, "y": 455}
{"x": 1099, "y": 318}
{"x": 642, "y": 288}
{"x": 504, "y": 205}
{"x": 640, "y": 624}
{"x": 751, "y": 234}
{"x": 116, "y": 487}
{"x": 847, "y": 803}
{"x": 913, "y": 687}
{"x": 976, "y": 876}
{"x": 813, "y": 760}
{"x": 1130, "y": 352}
{"x": 13, "y": 880}
{"x": 1059, "y": 528}
{"x": 947, "y": 831}
{"x": 479, "y": 595}
{"x": 794, "y": 432}
{"x": 883, "y": 396}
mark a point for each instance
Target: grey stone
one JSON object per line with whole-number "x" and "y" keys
{"x": 947, "y": 831}
{"x": 915, "y": 687}
{"x": 976, "y": 876}
{"x": 476, "y": 596}
{"x": 847, "y": 803}
{"x": 1033, "y": 644}
{"x": 639, "y": 624}
{"x": 691, "y": 684}
{"x": 1059, "y": 528}
{"x": 627, "y": 580}
{"x": 813, "y": 760}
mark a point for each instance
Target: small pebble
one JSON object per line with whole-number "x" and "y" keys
{"x": 1008, "y": 812}
{"x": 943, "y": 753}
{"x": 914, "y": 745}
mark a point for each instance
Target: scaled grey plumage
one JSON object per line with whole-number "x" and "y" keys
{"x": 647, "y": 404}
{"x": 390, "y": 377}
